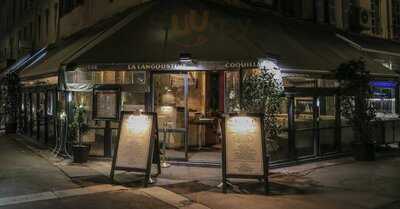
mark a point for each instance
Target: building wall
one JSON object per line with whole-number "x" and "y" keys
{"x": 29, "y": 25}
{"x": 342, "y": 14}
{"x": 20, "y": 27}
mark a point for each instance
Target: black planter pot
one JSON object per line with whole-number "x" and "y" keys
{"x": 363, "y": 151}
{"x": 80, "y": 153}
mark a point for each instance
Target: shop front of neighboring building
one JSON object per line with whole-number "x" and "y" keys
{"x": 187, "y": 64}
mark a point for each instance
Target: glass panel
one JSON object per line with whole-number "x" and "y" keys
{"x": 347, "y": 134}
{"x": 304, "y": 124}
{"x": 278, "y": 148}
{"x": 170, "y": 105}
{"x": 204, "y": 107}
{"x": 327, "y": 140}
{"x": 131, "y": 101}
{"x": 28, "y": 112}
{"x": 378, "y": 132}
{"x": 97, "y": 147}
{"x": 85, "y": 99}
{"x": 34, "y": 113}
{"x": 347, "y": 138}
{"x": 41, "y": 112}
{"x": 327, "y": 123}
{"x": 389, "y": 133}
{"x": 384, "y": 100}
{"x": 232, "y": 91}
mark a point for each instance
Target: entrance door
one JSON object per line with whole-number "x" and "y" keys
{"x": 170, "y": 93}
{"x": 305, "y": 125}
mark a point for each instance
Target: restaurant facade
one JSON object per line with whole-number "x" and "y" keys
{"x": 186, "y": 60}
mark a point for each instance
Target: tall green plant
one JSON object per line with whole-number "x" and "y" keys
{"x": 78, "y": 125}
{"x": 354, "y": 82}
{"x": 262, "y": 91}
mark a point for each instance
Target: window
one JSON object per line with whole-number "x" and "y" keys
{"x": 25, "y": 36}
{"x": 39, "y": 25}
{"x": 47, "y": 13}
{"x": 332, "y": 12}
{"x": 375, "y": 17}
{"x": 31, "y": 31}
{"x": 21, "y": 7}
{"x": 346, "y": 8}
{"x": 66, "y": 6}
{"x": 396, "y": 19}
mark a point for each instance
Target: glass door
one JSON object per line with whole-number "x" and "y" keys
{"x": 304, "y": 123}
{"x": 170, "y": 93}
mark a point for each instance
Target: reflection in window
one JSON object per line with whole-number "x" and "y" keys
{"x": 232, "y": 89}
{"x": 383, "y": 99}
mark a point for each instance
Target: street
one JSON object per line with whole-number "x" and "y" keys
{"x": 28, "y": 180}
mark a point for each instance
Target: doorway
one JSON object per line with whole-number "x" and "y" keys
{"x": 187, "y": 105}
{"x": 315, "y": 125}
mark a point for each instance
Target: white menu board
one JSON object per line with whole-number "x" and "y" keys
{"x": 134, "y": 141}
{"x": 244, "y": 146}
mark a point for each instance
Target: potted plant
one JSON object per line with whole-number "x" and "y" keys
{"x": 262, "y": 91}
{"x": 355, "y": 91}
{"x": 78, "y": 127}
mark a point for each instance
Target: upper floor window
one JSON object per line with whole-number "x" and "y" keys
{"x": 376, "y": 17}
{"x": 47, "y": 14}
{"x": 332, "y": 12}
{"x": 66, "y": 6}
{"x": 396, "y": 19}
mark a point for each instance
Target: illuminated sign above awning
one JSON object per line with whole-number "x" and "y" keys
{"x": 195, "y": 66}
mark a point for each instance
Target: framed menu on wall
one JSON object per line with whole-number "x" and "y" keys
{"x": 244, "y": 152}
{"x": 137, "y": 144}
{"x": 106, "y": 102}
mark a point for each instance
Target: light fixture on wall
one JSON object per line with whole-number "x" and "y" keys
{"x": 185, "y": 58}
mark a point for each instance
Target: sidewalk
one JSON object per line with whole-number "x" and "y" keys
{"x": 339, "y": 183}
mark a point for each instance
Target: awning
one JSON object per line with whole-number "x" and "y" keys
{"x": 49, "y": 63}
{"x": 382, "y": 51}
{"x": 211, "y": 33}
{"x": 24, "y": 62}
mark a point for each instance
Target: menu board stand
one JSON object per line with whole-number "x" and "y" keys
{"x": 263, "y": 175}
{"x": 153, "y": 153}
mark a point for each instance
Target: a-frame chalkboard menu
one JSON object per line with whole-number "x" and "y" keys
{"x": 137, "y": 146}
{"x": 244, "y": 151}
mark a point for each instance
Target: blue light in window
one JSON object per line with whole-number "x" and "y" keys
{"x": 383, "y": 84}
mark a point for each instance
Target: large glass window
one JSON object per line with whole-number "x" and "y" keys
{"x": 170, "y": 103}
{"x": 383, "y": 99}
{"x": 327, "y": 123}
{"x": 278, "y": 148}
{"x": 304, "y": 125}
{"x": 347, "y": 134}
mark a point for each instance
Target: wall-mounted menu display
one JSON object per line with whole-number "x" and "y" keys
{"x": 106, "y": 102}
{"x": 244, "y": 151}
{"x": 137, "y": 142}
